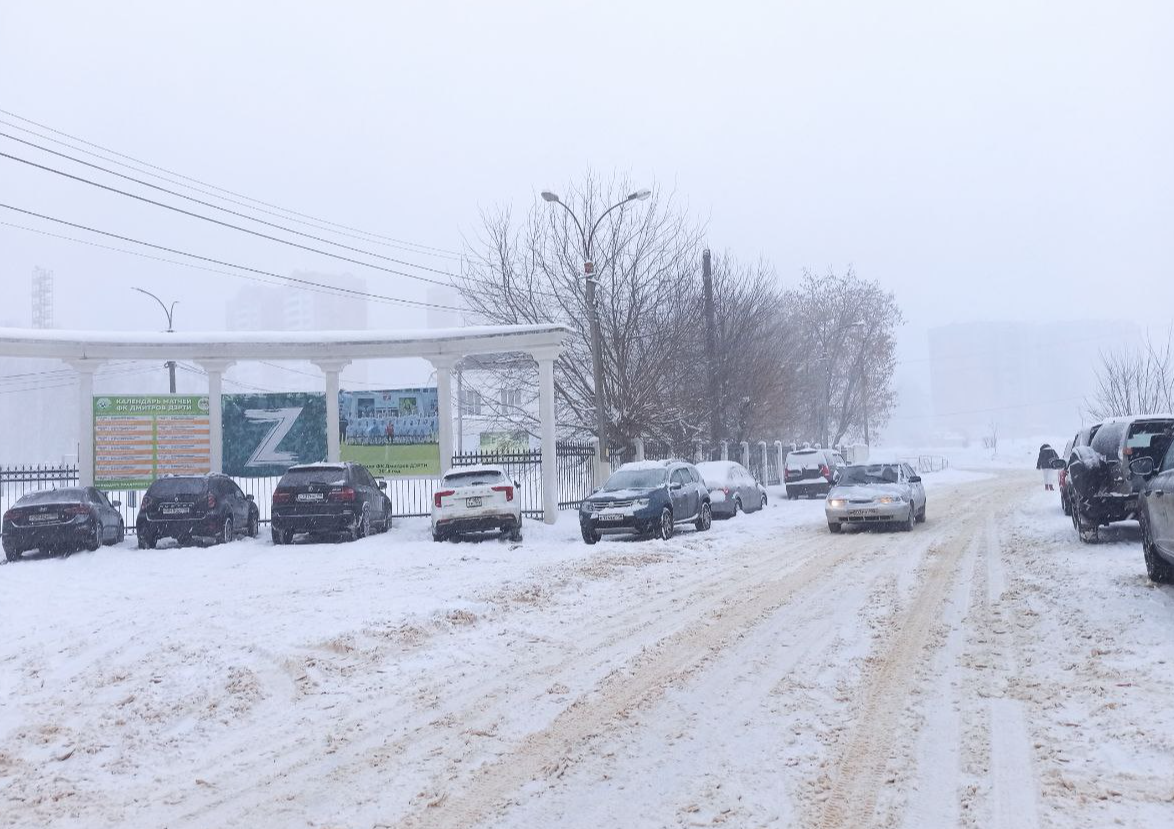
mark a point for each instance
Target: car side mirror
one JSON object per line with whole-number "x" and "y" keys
{"x": 914, "y": 479}
{"x": 1059, "y": 463}
{"x": 1142, "y": 467}
{"x": 250, "y": 497}
{"x": 381, "y": 484}
{"x": 675, "y": 485}
{"x": 116, "y": 503}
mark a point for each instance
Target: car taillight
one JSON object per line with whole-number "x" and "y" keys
{"x": 507, "y": 489}
{"x": 10, "y": 515}
{"x": 726, "y": 490}
{"x": 442, "y": 494}
{"x": 76, "y": 509}
{"x": 343, "y": 494}
{"x": 823, "y": 470}
{"x": 146, "y": 502}
{"x": 211, "y": 501}
{"x": 282, "y": 496}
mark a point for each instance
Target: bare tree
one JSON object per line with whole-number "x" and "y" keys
{"x": 846, "y": 343}
{"x": 1135, "y": 381}
{"x": 646, "y": 261}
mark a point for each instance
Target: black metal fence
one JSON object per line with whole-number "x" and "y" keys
{"x": 410, "y": 497}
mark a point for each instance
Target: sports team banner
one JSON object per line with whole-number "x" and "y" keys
{"x": 393, "y": 432}
{"x": 140, "y": 438}
{"x": 266, "y": 434}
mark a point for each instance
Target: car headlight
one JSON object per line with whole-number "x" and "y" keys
{"x": 640, "y": 503}
{"x": 836, "y": 502}
{"x": 885, "y": 499}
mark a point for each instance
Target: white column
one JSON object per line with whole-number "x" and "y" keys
{"x": 639, "y": 448}
{"x": 546, "y": 417}
{"x": 725, "y": 450}
{"x": 332, "y": 368}
{"x": 765, "y": 465}
{"x": 444, "y": 367}
{"x": 215, "y": 370}
{"x": 85, "y": 421}
{"x": 745, "y": 454}
{"x": 782, "y": 460}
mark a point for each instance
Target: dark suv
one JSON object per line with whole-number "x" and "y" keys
{"x": 329, "y": 498}
{"x": 1102, "y": 477}
{"x": 647, "y": 498}
{"x": 189, "y": 507}
{"x": 1081, "y": 438}
{"x": 1155, "y": 513}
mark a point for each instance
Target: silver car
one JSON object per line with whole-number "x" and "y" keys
{"x": 876, "y": 493}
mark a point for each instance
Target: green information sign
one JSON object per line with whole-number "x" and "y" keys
{"x": 140, "y": 438}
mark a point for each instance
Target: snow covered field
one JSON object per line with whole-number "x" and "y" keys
{"x": 986, "y": 670}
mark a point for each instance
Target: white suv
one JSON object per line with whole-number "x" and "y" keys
{"x": 476, "y": 499}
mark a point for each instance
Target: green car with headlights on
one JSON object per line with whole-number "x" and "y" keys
{"x": 876, "y": 494}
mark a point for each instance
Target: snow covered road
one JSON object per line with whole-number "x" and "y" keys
{"x": 986, "y": 670}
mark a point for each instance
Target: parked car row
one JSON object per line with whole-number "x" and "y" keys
{"x": 343, "y": 500}
{"x": 1122, "y": 469}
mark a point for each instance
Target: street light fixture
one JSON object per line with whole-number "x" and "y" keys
{"x": 169, "y": 310}
{"x": 588, "y": 240}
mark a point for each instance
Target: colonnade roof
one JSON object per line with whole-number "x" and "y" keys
{"x": 437, "y": 345}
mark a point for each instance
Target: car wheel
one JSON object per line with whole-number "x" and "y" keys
{"x": 664, "y": 529}
{"x": 792, "y": 495}
{"x": 590, "y": 536}
{"x": 362, "y": 527}
{"x": 516, "y": 533}
{"x": 146, "y": 541}
{"x": 705, "y": 518}
{"x": 1157, "y": 568}
{"x": 907, "y": 524}
{"x": 835, "y": 527}
{"x": 226, "y": 532}
{"x": 280, "y": 537}
{"x": 921, "y": 513}
{"x": 737, "y": 506}
{"x": 1065, "y": 504}
{"x": 11, "y": 551}
{"x": 254, "y": 528}
{"x": 95, "y": 540}
{"x": 763, "y": 504}
{"x": 121, "y": 537}
{"x": 437, "y": 535}
{"x": 1087, "y": 531}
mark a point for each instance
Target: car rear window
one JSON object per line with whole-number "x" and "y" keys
{"x": 1141, "y": 435}
{"x": 167, "y": 487}
{"x": 1108, "y": 439}
{"x": 53, "y": 496}
{"x": 296, "y": 477}
{"x": 475, "y": 478}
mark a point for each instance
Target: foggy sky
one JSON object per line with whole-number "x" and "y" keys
{"x": 989, "y": 160}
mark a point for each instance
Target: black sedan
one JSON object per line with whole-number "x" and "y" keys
{"x": 329, "y": 499}
{"x": 62, "y": 520}
{"x": 647, "y": 498}
{"x": 191, "y": 507}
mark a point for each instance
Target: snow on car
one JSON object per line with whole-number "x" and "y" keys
{"x": 476, "y": 499}
{"x": 876, "y": 493}
{"x": 732, "y": 489}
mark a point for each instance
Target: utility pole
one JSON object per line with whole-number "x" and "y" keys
{"x": 169, "y": 310}
{"x": 715, "y": 403}
{"x": 596, "y": 357}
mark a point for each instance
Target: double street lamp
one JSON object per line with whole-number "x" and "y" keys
{"x": 591, "y": 281}
{"x": 169, "y": 310}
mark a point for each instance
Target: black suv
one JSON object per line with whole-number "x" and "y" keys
{"x": 329, "y": 498}
{"x": 189, "y": 507}
{"x": 647, "y": 498}
{"x": 1103, "y": 477}
{"x": 68, "y": 519}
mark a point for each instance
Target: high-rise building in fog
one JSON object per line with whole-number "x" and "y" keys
{"x": 1030, "y": 379}
{"x": 42, "y": 297}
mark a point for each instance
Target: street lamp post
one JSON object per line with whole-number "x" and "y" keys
{"x": 169, "y": 310}
{"x": 588, "y": 240}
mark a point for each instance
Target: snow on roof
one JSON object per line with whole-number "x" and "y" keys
{"x": 473, "y": 470}
{"x": 635, "y": 466}
{"x": 331, "y": 466}
{"x": 243, "y": 345}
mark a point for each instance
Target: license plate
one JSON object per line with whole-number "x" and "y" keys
{"x": 170, "y": 510}
{"x": 860, "y": 513}
{"x": 310, "y": 496}
{"x": 610, "y": 517}
{"x": 43, "y": 518}
{"x": 472, "y": 502}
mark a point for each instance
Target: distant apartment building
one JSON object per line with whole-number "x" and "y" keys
{"x": 1029, "y": 379}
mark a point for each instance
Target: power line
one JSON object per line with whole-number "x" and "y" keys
{"x": 423, "y": 248}
{"x": 231, "y": 226}
{"x": 215, "y": 206}
{"x": 73, "y": 382}
{"x": 291, "y": 279}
